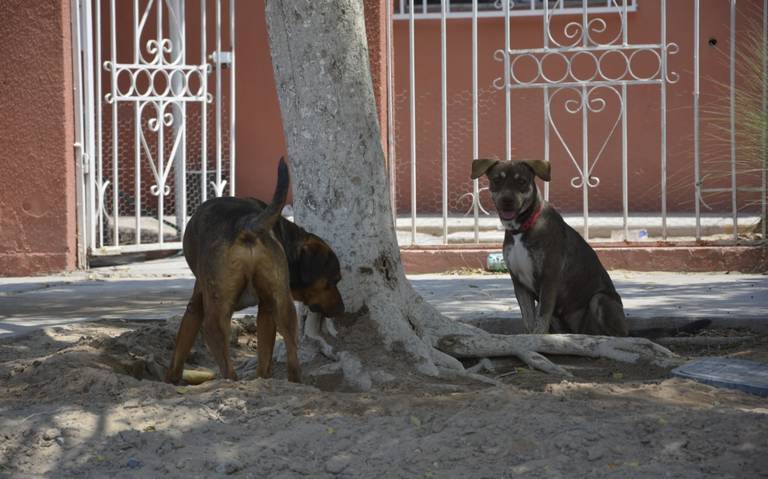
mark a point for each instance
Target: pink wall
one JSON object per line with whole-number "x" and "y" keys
{"x": 37, "y": 184}
{"x": 260, "y": 140}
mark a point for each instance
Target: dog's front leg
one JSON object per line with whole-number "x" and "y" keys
{"x": 547, "y": 301}
{"x": 527, "y": 303}
{"x": 314, "y": 325}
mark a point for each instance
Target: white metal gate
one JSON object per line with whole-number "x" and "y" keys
{"x": 592, "y": 89}
{"x": 613, "y": 63}
{"x": 150, "y": 77}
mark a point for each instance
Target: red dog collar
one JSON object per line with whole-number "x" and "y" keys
{"x": 530, "y": 221}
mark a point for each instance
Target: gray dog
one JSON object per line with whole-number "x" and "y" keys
{"x": 551, "y": 265}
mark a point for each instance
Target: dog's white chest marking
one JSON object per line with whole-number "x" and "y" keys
{"x": 519, "y": 262}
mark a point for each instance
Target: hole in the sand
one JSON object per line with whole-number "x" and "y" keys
{"x": 325, "y": 382}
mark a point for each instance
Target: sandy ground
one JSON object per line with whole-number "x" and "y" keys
{"x": 82, "y": 400}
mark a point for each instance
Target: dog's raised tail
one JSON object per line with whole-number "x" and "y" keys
{"x": 266, "y": 219}
{"x": 269, "y": 216}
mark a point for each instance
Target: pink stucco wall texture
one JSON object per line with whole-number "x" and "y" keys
{"x": 37, "y": 166}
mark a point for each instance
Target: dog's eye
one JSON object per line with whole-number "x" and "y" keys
{"x": 521, "y": 182}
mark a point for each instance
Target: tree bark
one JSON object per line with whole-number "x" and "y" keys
{"x": 340, "y": 184}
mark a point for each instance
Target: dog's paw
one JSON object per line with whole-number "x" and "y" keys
{"x": 173, "y": 375}
{"x": 329, "y": 327}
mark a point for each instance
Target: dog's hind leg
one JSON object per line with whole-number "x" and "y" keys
{"x": 265, "y": 336}
{"x": 605, "y": 316}
{"x": 277, "y": 314}
{"x": 564, "y": 325}
{"x": 289, "y": 331}
{"x": 185, "y": 338}
{"x": 216, "y": 324}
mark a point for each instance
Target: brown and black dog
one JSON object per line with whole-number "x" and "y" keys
{"x": 243, "y": 253}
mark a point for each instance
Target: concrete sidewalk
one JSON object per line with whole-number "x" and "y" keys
{"x": 160, "y": 289}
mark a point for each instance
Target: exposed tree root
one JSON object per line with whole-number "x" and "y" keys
{"x": 460, "y": 340}
{"x": 466, "y": 374}
{"x": 528, "y": 347}
{"x": 439, "y": 342}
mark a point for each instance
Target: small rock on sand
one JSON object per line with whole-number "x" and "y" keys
{"x": 338, "y": 463}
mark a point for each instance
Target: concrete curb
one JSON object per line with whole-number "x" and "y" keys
{"x": 683, "y": 258}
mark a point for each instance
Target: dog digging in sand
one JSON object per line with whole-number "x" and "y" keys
{"x": 243, "y": 253}
{"x": 560, "y": 285}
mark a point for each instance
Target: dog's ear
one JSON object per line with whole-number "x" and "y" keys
{"x": 540, "y": 168}
{"x": 312, "y": 262}
{"x": 481, "y": 166}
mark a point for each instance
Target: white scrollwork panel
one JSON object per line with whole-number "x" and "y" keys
{"x": 586, "y": 66}
{"x": 592, "y": 59}
{"x": 162, "y": 117}
{"x": 475, "y": 199}
{"x": 595, "y": 101}
{"x": 161, "y": 50}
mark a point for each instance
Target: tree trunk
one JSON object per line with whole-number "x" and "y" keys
{"x": 340, "y": 183}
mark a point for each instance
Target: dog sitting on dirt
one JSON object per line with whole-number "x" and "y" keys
{"x": 242, "y": 253}
{"x": 560, "y": 285}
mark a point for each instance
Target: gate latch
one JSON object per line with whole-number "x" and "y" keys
{"x": 83, "y": 156}
{"x": 224, "y": 59}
